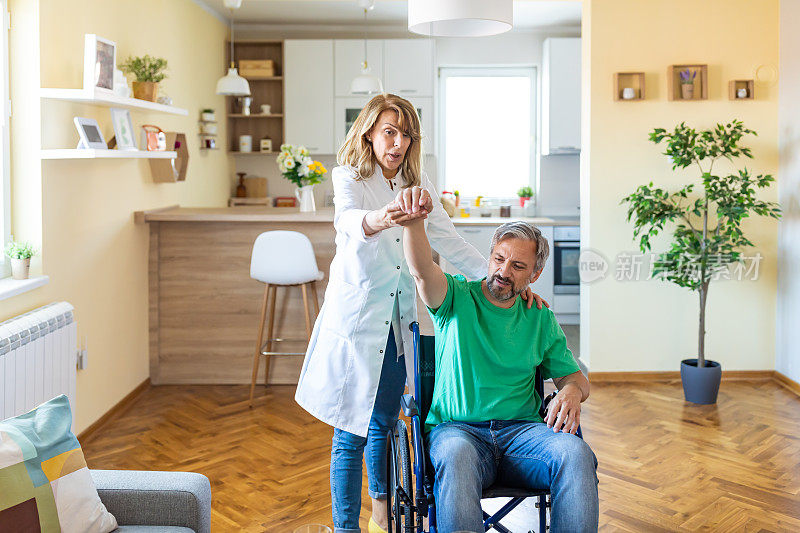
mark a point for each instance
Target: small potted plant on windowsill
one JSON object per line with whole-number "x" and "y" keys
{"x": 149, "y": 72}
{"x": 20, "y": 254}
{"x": 524, "y": 193}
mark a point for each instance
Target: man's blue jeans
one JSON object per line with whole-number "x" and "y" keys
{"x": 348, "y": 448}
{"x": 470, "y": 457}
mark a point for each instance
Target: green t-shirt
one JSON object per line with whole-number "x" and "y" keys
{"x": 486, "y": 357}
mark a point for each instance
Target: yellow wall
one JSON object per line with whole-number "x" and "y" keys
{"x": 649, "y": 325}
{"x": 81, "y": 212}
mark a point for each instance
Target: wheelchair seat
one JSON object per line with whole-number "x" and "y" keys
{"x": 508, "y": 492}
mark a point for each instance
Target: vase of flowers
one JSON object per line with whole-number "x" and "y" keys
{"x": 20, "y": 254}
{"x": 297, "y": 166}
{"x": 687, "y": 83}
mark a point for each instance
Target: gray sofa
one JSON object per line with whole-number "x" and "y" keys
{"x": 145, "y": 501}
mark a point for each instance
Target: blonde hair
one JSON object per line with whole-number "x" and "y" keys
{"x": 356, "y": 151}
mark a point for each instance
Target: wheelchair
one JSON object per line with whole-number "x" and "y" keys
{"x": 410, "y": 499}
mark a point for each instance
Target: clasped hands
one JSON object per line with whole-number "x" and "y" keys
{"x": 409, "y": 205}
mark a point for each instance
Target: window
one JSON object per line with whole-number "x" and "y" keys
{"x": 5, "y": 104}
{"x": 488, "y": 130}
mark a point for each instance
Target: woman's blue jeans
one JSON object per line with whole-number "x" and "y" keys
{"x": 347, "y": 448}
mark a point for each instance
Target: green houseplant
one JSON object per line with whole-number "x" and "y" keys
{"x": 149, "y": 71}
{"x": 524, "y": 193}
{"x": 20, "y": 254}
{"x": 699, "y": 251}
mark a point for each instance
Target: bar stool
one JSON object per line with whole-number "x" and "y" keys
{"x": 281, "y": 259}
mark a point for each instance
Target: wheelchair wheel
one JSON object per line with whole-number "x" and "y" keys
{"x": 400, "y": 493}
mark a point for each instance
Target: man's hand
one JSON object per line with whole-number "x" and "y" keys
{"x": 529, "y": 296}
{"x": 413, "y": 200}
{"x": 564, "y": 411}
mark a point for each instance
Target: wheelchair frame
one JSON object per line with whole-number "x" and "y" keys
{"x": 408, "y": 501}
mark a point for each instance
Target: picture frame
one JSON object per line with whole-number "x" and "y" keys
{"x": 90, "y": 134}
{"x": 123, "y": 129}
{"x": 99, "y": 62}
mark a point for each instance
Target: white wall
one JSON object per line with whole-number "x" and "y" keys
{"x": 787, "y": 355}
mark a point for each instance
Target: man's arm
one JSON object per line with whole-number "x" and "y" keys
{"x": 431, "y": 281}
{"x": 564, "y": 411}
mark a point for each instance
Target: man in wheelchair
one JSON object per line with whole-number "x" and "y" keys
{"x": 483, "y": 426}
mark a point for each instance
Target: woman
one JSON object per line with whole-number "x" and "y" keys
{"x": 356, "y": 365}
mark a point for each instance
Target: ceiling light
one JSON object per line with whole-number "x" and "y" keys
{"x": 460, "y": 18}
{"x": 366, "y": 82}
{"x": 232, "y": 84}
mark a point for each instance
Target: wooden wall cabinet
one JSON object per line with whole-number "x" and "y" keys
{"x": 264, "y": 90}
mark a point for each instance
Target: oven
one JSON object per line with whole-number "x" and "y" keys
{"x": 566, "y": 252}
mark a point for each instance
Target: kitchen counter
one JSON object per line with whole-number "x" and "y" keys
{"x": 292, "y": 214}
{"x": 204, "y": 307}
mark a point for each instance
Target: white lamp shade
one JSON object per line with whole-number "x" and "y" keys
{"x": 460, "y": 18}
{"x": 366, "y": 83}
{"x": 232, "y": 84}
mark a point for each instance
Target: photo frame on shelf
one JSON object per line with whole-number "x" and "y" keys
{"x": 99, "y": 62}
{"x": 90, "y": 134}
{"x": 123, "y": 129}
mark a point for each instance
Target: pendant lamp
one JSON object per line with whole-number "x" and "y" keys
{"x": 366, "y": 82}
{"x": 232, "y": 84}
{"x": 460, "y": 18}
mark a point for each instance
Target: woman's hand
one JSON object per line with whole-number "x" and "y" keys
{"x": 413, "y": 200}
{"x": 529, "y": 296}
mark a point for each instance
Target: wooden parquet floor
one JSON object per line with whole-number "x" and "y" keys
{"x": 664, "y": 465}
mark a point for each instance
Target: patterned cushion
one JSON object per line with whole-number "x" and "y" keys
{"x": 44, "y": 482}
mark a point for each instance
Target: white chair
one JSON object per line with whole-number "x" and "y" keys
{"x": 281, "y": 259}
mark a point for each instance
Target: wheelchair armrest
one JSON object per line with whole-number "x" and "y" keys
{"x": 548, "y": 399}
{"x": 409, "y": 405}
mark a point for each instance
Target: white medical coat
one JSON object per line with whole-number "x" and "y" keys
{"x": 342, "y": 365}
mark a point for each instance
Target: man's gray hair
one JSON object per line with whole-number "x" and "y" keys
{"x": 522, "y": 230}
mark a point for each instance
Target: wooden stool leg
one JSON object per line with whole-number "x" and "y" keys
{"x": 269, "y": 331}
{"x": 257, "y": 356}
{"x": 307, "y": 313}
{"x": 316, "y": 299}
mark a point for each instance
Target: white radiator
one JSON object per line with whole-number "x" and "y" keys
{"x": 38, "y": 355}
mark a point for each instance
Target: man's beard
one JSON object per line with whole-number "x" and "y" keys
{"x": 495, "y": 291}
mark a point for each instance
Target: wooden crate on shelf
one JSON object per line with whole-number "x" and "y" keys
{"x": 264, "y": 89}
{"x": 735, "y": 85}
{"x": 632, "y": 80}
{"x": 700, "y": 82}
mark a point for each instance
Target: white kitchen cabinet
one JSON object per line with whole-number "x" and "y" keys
{"x": 308, "y": 72}
{"x": 347, "y": 109}
{"x": 349, "y": 55}
{"x": 561, "y": 96}
{"x": 408, "y": 66}
{"x": 481, "y": 238}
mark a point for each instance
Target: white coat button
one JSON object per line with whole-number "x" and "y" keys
{"x": 387, "y": 322}
{"x": 399, "y": 292}
{"x": 392, "y": 294}
{"x": 398, "y": 240}
{"x": 381, "y": 351}
{"x": 398, "y": 267}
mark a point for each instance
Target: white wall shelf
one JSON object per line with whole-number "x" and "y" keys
{"x": 108, "y": 100}
{"x": 105, "y": 154}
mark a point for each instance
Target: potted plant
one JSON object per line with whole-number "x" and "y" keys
{"x": 296, "y": 165}
{"x": 20, "y": 254}
{"x": 208, "y": 115}
{"x": 458, "y": 197}
{"x": 149, "y": 72}
{"x": 524, "y": 193}
{"x": 687, "y": 83}
{"x": 699, "y": 252}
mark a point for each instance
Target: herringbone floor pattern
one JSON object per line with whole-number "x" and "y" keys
{"x": 665, "y": 465}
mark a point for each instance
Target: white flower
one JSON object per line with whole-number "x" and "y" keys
{"x": 289, "y": 163}
{"x": 307, "y": 160}
{"x": 303, "y": 169}
{"x": 303, "y": 151}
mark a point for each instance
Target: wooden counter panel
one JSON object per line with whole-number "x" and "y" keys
{"x": 205, "y": 307}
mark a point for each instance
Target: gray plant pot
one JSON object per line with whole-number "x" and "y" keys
{"x": 700, "y": 385}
